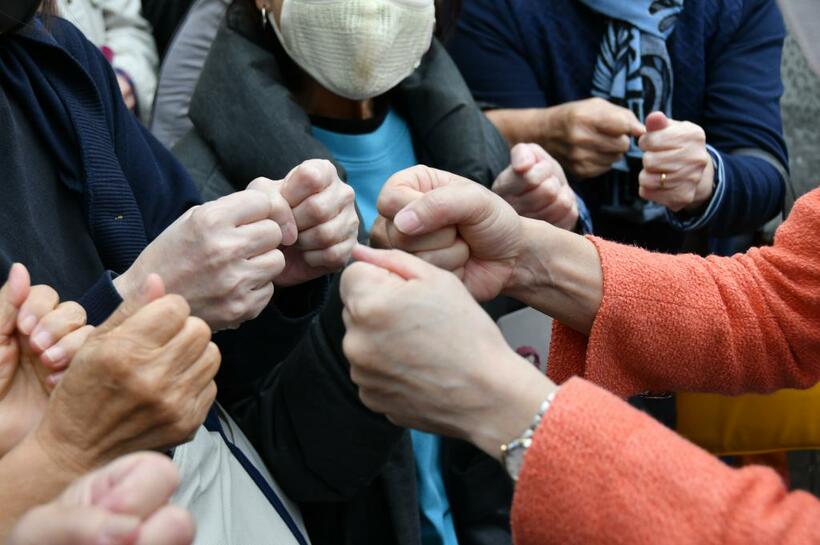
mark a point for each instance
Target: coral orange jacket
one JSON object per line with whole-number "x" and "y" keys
{"x": 602, "y": 472}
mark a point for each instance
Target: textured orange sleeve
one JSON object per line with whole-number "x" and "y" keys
{"x": 601, "y": 472}
{"x": 750, "y": 323}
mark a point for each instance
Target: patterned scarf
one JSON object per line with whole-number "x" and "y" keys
{"x": 634, "y": 69}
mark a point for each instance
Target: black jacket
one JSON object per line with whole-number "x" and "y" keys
{"x": 351, "y": 471}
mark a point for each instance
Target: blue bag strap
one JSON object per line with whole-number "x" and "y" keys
{"x": 213, "y": 424}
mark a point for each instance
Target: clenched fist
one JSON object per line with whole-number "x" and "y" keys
{"x": 678, "y": 171}
{"x": 591, "y": 135}
{"x": 454, "y": 224}
{"x": 222, "y": 257}
{"x": 324, "y": 215}
{"x": 142, "y": 381}
{"x": 536, "y": 186}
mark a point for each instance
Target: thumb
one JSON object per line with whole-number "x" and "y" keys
{"x": 152, "y": 289}
{"x": 522, "y": 158}
{"x": 657, "y": 121}
{"x": 451, "y": 205}
{"x": 397, "y": 262}
{"x": 12, "y": 296}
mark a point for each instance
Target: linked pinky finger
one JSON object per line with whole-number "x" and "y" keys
{"x": 59, "y": 355}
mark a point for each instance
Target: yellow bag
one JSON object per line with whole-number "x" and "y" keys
{"x": 751, "y": 424}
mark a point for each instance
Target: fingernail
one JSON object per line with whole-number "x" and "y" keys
{"x": 118, "y": 530}
{"x": 27, "y": 325}
{"x": 290, "y": 233}
{"x": 55, "y": 355}
{"x": 42, "y": 340}
{"x": 407, "y": 222}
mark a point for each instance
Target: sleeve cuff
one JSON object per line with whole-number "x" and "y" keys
{"x": 300, "y": 303}
{"x": 102, "y": 299}
{"x": 584, "y": 226}
{"x": 688, "y": 223}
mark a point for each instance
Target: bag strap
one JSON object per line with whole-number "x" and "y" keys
{"x": 213, "y": 424}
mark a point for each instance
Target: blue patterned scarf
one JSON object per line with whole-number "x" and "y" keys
{"x": 634, "y": 69}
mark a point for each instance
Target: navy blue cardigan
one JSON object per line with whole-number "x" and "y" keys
{"x": 726, "y": 60}
{"x": 132, "y": 187}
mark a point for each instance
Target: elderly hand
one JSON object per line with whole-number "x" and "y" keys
{"x": 221, "y": 257}
{"x": 678, "y": 170}
{"x": 325, "y": 216}
{"x": 142, "y": 381}
{"x": 455, "y": 224}
{"x": 591, "y": 135}
{"x": 33, "y": 324}
{"x": 426, "y": 355}
{"x": 124, "y": 503}
{"x": 536, "y": 187}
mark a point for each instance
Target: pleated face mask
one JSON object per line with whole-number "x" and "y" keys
{"x": 15, "y": 14}
{"x": 357, "y": 49}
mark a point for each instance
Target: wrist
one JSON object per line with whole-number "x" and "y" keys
{"x": 705, "y": 187}
{"x": 125, "y": 285}
{"x": 516, "y": 400}
{"x": 59, "y": 454}
{"x": 531, "y": 269}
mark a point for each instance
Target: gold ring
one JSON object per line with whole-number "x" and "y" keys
{"x": 663, "y": 181}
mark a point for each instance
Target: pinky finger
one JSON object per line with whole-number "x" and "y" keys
{"x": 58, "y": 356}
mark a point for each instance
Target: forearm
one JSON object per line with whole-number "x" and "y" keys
{"x": 30, "y": 478}
{"x": 558, "y": 273}
{"x": 596, "y": 460}
{"x": 537, "y": 125}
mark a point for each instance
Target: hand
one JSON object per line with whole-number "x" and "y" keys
{"x": 325, "y": 214}
{"x": 426, "y": 355}
{"x": 127, "y": 91}
{"x": 33, "y": 323}
{"x": 591, "y": 135}
{"x": 678, "y": 150}
{"x": 221, "y": 257}
{"x": 142, "y": 381}
{"x": 124, "y": 503}
{"x": 536, "y": 187}
{"x": 455, "y": 224}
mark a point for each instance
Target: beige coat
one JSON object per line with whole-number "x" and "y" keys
{"x": 119, "y": 25}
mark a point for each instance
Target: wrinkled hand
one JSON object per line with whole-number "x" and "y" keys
{"x": 593, "y": 134}
{"x": 124, "y": 503}
{"x": 426, "y": 355}
{"x": 454, "y": 224}
{"x": 221, "y": 257}
{"x": 536, "y": 187}
{"x": 677, "y": 149}
{"x": 142, "y": 381}
{"x": 324, "y": 211}
{"x": 34, "y": 329}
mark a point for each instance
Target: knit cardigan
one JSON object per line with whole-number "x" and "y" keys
{"x": 723, "y": 325}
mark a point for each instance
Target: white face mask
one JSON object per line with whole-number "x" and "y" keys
{"x": 357, "y": 49}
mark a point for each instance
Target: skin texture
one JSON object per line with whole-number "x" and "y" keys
{"x": 124, "y": 503}
{"x": 493, "y": 250}
{"x": 151, "y": 365}
{"x": 425, "y": 354}
{"x": 677, "y": 149}
{"x": 225, "y": 256}
{"x": 536, "y": 187}
{"x": 25, "y": 374}
{"x": 586, "y": 136}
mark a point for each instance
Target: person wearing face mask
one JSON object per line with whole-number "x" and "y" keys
{"x": 364, "y": 84}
